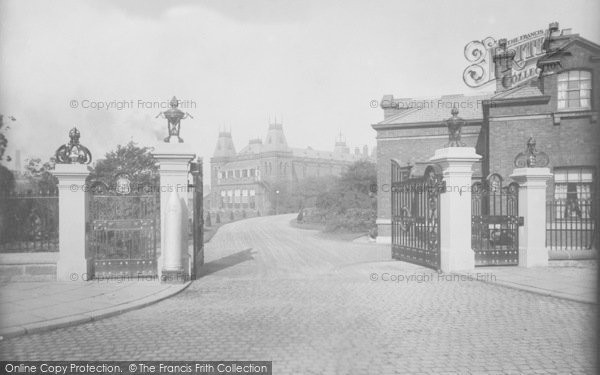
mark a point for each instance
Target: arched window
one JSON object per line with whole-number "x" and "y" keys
{"x": 574, "y": 90}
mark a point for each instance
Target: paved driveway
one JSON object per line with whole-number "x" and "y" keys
{"x": 315, "y": 306}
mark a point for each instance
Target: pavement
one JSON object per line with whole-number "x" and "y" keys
{"x": 566, "y": 279}
{"x": 31, "y": 307}
{"x": 319, "y": 306}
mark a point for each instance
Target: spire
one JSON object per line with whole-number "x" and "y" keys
{"x": 340, "y": 145}
{"x": 275, "y": 140}
{"x": 225, "y": 147}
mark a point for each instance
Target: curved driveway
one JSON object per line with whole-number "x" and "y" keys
{"x": 317, "y": 306}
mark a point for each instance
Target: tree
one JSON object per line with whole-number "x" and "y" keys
{"x": 350, "y": 204}
{"x": 136, "y": 162}
{"x": 39, "y": 174}
{"x": 7, "y": 180}
{"x": 307, "y": 190}
{"x": 3, "y": 138}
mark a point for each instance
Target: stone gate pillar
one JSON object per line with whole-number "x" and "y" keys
{"x": 532, "y": 175}
{"x": 74, "y": 260}
{"x": 455, "y": 207}
{"x": 174, "y": 164}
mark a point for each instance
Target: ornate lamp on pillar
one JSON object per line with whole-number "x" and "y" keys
{"x": 74, "y": 260}
{"x": 174, "y": 116}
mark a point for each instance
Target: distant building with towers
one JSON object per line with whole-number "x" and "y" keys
{"x": 249, "y": 180}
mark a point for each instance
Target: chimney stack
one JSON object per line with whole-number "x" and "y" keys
{"x": 503, "y": 61}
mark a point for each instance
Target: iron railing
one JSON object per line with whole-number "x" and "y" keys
{"x": 29, "y": 222}
{"x": 571, "y": 224}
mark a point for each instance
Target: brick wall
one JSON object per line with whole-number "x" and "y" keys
{"x": 392, "y": 145}
{"x": 575, "y": 141}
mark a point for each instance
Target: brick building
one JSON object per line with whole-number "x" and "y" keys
{"x": 249, "y": 180}
{"x": 558, "y": 107}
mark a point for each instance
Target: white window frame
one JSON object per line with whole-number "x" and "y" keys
{"x": 574, "y": 90}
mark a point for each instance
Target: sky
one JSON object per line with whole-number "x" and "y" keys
{"x": 237, "y": 64}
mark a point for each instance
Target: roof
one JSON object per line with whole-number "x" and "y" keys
{"x": 523, "y": 91}
{"x": 309, "y": 152}
{"x": 242, "y": 164}
{"x": 438, "y": 109}
{"x": 252, "y": 148}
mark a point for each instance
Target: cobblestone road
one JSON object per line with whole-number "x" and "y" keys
{"x": 316, "y": 306}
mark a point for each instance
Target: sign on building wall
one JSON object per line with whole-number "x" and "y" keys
{"x": 480, "y": 53}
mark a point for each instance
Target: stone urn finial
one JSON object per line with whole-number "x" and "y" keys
{"x": 455, "y": 125}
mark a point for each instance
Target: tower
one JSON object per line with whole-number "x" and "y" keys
{"x": 225, "y": 147}
{"x": 224, "y": 152}
{"x": 340, "y": 145}
{"x": 275, "y": 140}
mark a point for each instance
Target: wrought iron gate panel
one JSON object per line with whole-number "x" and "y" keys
{"x": 495, "y": 222}
{"x": 415, "y": 216}
{"x": 124, "y": 234}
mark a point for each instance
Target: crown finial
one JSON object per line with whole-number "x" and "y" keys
{"x": 73, "y": 152}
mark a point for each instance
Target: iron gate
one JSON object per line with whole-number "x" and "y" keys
{"x": 416, "y": 216}
{"x": 124, "y": 234}
{"x": 495, "y": 222}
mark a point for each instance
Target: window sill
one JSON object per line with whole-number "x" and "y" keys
{"x": 575, "y": 113}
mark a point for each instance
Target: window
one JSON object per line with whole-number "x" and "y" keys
{"x": 252, "y": 172}
{"x": 237, "y": 173}
{"x": 230, "y": 198}
{"x": 230, "y": 174}
{"x": 244, "y": 173}
{"x": 574, "y": 90}
{"x": 223, "y": 198}
{"x": 573, "y": 187}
